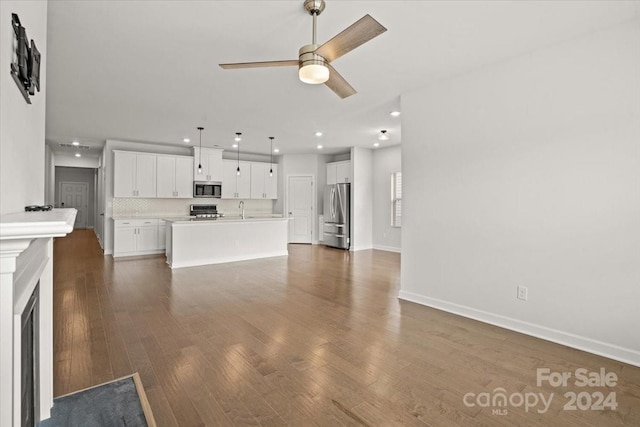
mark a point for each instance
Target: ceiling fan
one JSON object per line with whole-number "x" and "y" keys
{"x": 314, "y": 60}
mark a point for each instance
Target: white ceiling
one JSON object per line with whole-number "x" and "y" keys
{"x": 148, "y": 70}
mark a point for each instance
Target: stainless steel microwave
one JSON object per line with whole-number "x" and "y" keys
{"x": 211, "y": 189}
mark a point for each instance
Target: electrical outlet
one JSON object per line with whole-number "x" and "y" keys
{"x": 522, "y": 293}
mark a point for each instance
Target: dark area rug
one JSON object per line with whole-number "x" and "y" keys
{"x": 118, "y": 403}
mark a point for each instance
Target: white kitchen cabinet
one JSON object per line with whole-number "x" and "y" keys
{"x": 136, "y": 237}
{"x": 211, "y": 162}
{"x": 184, "y": 177}
{"x": 264, "y": 185}
{"x": 162, "y": 234}
{"x": 174, "y": 177}
{"x": 134, "y": 174}
{"x": 338, "y": 172}
{"x": 236, "y": 186}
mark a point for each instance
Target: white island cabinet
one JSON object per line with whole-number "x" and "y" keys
{"x": 202, "y": 242}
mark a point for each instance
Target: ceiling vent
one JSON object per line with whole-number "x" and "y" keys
{"x": 75, "y": 147}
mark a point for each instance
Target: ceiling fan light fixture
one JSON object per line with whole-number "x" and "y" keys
{"x": 313, "y": 68}
{"x": 313, "y": 74}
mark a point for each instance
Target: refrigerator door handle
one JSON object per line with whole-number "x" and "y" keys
{"x": 333, "y": 204}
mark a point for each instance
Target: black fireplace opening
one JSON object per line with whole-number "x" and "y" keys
{"x": 29, "y": 360}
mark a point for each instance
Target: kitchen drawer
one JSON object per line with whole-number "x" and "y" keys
{"x": 136, "y": 222}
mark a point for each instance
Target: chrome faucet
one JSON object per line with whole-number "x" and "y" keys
{"x": 241, "y": 206}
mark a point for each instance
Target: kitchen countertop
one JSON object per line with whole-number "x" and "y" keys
{"x": 187, "y": 218}
{"x": 248, "y": 218}
{"x": 150, "y": 216}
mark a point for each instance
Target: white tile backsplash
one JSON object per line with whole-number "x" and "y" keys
{"x": 179, "y": 207}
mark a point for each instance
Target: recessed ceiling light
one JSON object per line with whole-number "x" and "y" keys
{"x": 276, "y": 150}
{"x": 186, "y": 140}
{"x": 78, "y": 155}
{"x": 376, "y": 144}
{"x": 318, "y": 133}
{"x": 395, "y": 113}
{"x": 235, "y": 145}
{"x": 319, "y": 147}
{"x": 75, "y": 143}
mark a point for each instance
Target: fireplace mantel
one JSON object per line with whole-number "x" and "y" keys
{"x": 26, "y": 258}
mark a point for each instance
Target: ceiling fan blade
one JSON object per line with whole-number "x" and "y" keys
{"x": 338, "y": 84}
{"x": 358, "y": 33}
{"x": 290, "y": 63}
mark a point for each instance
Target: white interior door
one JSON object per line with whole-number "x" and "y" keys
{"x": 74, "y": 195}
{"x": 300, "y": 208}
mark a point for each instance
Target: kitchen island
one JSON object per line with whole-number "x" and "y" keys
{"x": 193, "y": 242}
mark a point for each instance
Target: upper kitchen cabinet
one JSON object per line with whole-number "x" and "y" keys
{"x": 338, "y": 172}
{"x": 264, "y": 185}
{"x": 174, "y": 177}
{"x": 236, "y": 186}
{"x": 134, "y": 174}
{"x": 211, "y": 162}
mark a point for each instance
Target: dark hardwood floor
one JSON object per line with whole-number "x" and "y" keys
{"x": 315, "y": 338}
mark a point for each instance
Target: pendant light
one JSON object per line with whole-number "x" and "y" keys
{"x": 238, "y": 138}
{"x": 271, "y": 153}
{"x": 200, "y": 152}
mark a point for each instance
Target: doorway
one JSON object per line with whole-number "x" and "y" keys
{"x": 75, "y": 195}
{"x": 300, "y": 197}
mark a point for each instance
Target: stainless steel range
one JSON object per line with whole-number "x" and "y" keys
{"x": 204, "y": 211}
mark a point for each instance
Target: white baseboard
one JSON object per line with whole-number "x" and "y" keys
{"x": 360, "y": 248}
{"x": 600, "y": 348}
{"x": 387, "y": 248}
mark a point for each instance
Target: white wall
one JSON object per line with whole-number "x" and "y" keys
{"x": 100, "y": 199}
{"x": 385, "y": 162}
{"x": 22, "y": 126}
{"x": 528, "y": 173}
{"x": 71, "y": 161}
{"x": 49, "y": 176}
{"x": 361, "y": 199}
{"x": 86, "y": 175}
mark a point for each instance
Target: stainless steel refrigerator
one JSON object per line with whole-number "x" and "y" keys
{"x": 337, "y": 216}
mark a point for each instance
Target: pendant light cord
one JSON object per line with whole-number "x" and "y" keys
{"x": 271, "y": 155}
{"x": 238, "y": 139}
{"x": 200, "y": 151}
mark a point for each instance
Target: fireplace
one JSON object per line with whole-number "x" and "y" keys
{"x": 26, "y": 313}
{"x": 29, "y": 352}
